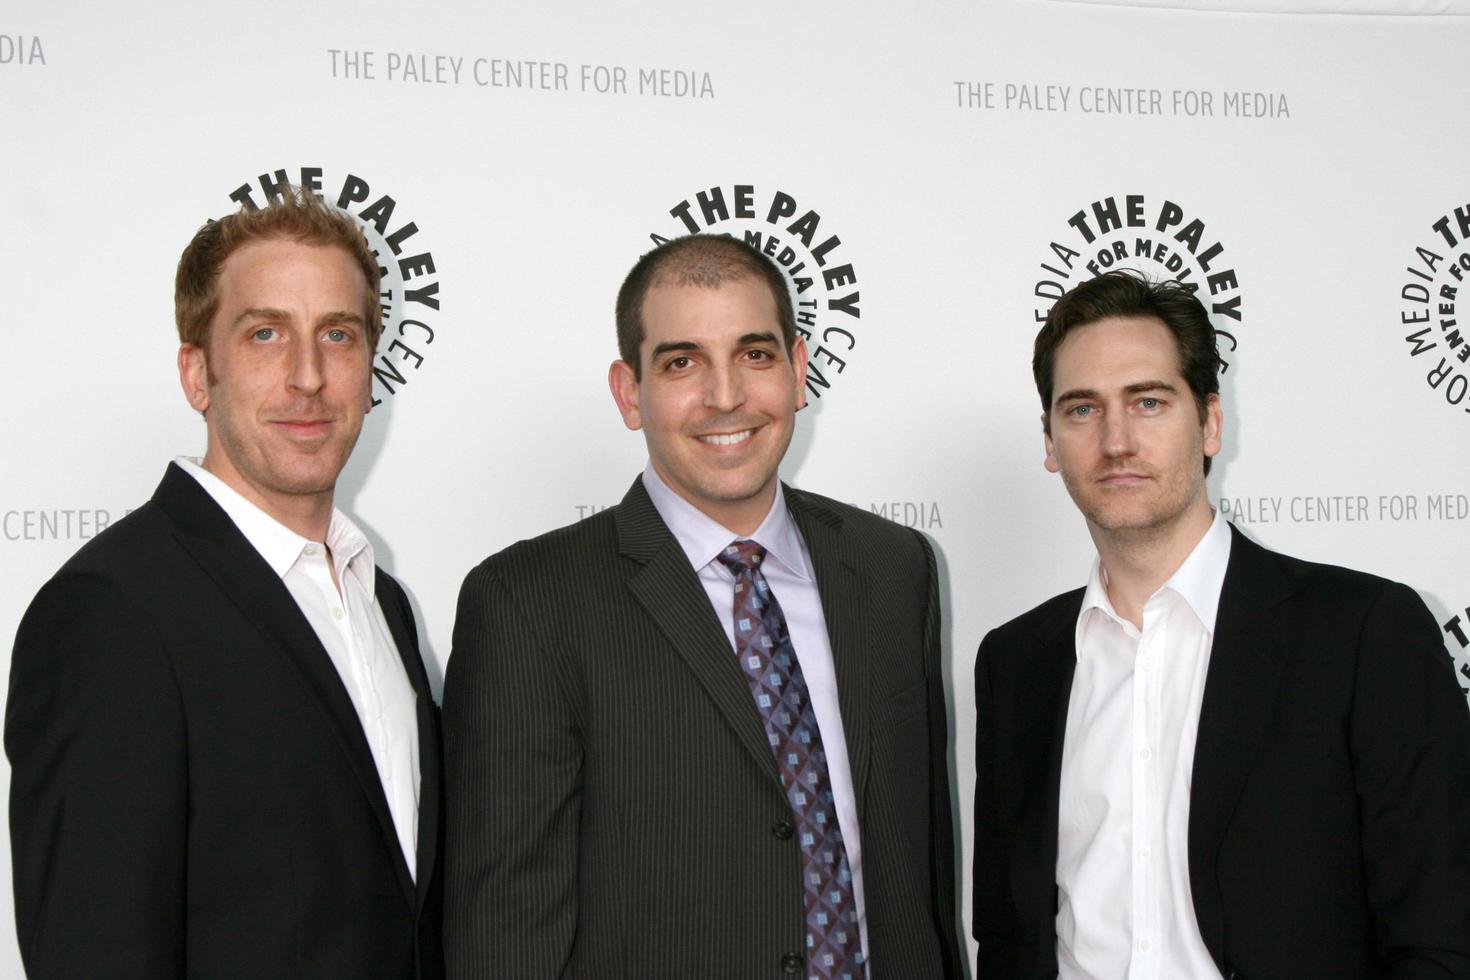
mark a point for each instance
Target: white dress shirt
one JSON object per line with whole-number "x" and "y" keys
{"x": 1124, "y": 907}
{"x": 351, "y": 627}
{"x": 788, "y": 571}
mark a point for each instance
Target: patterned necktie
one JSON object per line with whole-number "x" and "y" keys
{"x": 763, "y": 644}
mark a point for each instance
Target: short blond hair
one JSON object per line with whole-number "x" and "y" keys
{"x": 295, "y": 215}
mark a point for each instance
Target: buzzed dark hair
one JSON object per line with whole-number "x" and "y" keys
{"x": 1129, "y": 293}
{"x": 696, "y": 260}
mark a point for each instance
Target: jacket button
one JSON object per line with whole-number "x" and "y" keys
{"x": 782, "y": 829}
{"x": 791, "y": 963}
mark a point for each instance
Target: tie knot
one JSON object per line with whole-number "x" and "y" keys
{"x": 742, "y": 556}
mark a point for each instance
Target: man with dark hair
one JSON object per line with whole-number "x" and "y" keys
{"x": 223, "y": 745}
{"x": 702, "y": 734}
{"x": 1120, "y": 295}
{"x": 1214, "y": 760}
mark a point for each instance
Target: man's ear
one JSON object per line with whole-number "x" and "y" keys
{"x": 194, "y": 376}
{"x": 624, "y": 386}
{"x": 1214, "y": 425}
{"x": 799, "y": 359}
{"x": 367, "y": 385}
{"x": 1051, "y": 463}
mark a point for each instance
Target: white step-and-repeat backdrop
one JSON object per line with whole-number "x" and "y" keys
{"x": 930, "y": 175}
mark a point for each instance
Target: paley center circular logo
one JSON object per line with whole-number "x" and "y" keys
{"x": 795, "y": 236}
{"x": 1457, "y": 642}
{"x": 1154, "y": 235}
{"x": 409, "y": 290}
{"x": 1428, "y": 315}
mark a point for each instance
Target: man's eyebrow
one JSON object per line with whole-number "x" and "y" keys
{"x": 1136, "y": 388}
{"x": 1075, "y": 394}
{"x": 261, "y": 313}
{"x": 271, "y": 313}
{"x": 765, "y": 337}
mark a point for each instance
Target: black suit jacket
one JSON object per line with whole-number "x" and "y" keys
{"x": 1331, "y": 792}
{"x": 191, "y": 791}
{"x": 613, "y": 809}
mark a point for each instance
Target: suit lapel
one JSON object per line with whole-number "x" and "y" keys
{"x": 223, "y": 553}
{"x": 1034, "y": 878}
{"x": 406, "y": 640}
{"x": 837, "y": 566}
{"x": 670, "y": 592}
{"x": 1239, "y": 699}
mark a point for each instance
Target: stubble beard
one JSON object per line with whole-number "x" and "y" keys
{"x": 1154, "y": 515}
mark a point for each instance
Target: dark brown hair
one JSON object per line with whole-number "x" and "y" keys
{"x": 1128, "y": 293}
{"x": 696, "y": 260}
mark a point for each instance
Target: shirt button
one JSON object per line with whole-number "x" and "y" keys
{"x": 1143, "y": 754}
{"x": 1145, "y": 852}
{"x": 791, "y": 963}
{"x": 337, "y": 614}
{"x": 1146, "y": 664}
{"x": 311, "y": 549}
{"x": 1145, "y": 945}
{"x": 782, "y": 829}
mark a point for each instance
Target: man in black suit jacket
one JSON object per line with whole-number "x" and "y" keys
{"x": 613, "y": 805}
{"x": 193, "y": 790}
{"x": 1214, "y": 760}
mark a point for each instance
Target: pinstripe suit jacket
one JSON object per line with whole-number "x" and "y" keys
{"x": 613, "y": 807}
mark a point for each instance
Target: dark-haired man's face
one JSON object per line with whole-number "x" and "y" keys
{"x": 1125, "y": 431}
{"x": 718, "y": 395}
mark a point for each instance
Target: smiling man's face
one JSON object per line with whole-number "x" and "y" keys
{"x": 718, "y": 395}
{"x": 1125, "y": 430}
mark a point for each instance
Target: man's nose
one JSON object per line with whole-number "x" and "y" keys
{"x": 724, "y": 389}
{"x": 306, "y": 368}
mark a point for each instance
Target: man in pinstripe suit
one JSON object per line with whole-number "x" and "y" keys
{"x": 615, "y": 804}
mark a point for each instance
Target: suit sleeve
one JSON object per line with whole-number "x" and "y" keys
{"x": 95, "y": 734}
{"x": 941, "y": 833}
{"x": 1410, "y": 741}
{"x": 430, "y": 952}
{"x": 513, "y": 761}
{"x": 991, "y": 916}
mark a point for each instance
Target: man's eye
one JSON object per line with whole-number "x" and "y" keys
{"x": 678, "y": 363}
{"x": 1148, "y": 403}
{"x": 262, "y": 333}
{"x": 759, "y": 354}
{"x": 1079, "y": 411}
{"x": 337, "y": 335}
